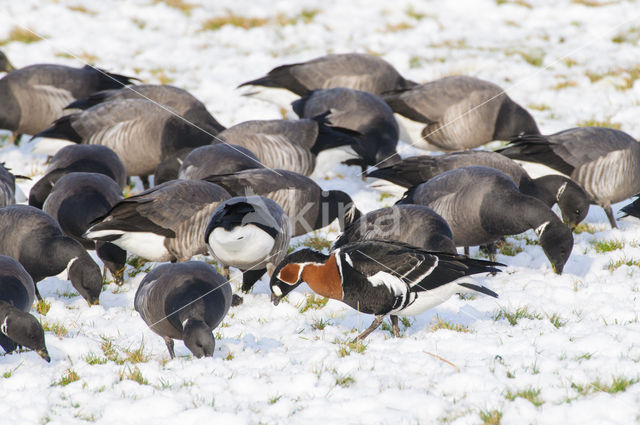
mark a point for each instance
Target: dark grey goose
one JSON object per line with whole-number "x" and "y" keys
{"x": 250, "y": 233}
{"x": 35, "y": 96}
{"x": 217, "y": 159}
{"x": 140, "y": 132}
{"x": 415, "y": 225}
{"x": 604, "y": 161}
{"x": 78, "y": 158}
{"x": 360, "y": 111}
{"x": 17, "y": 326}
{"x": 550, "y": 189}
{"x": 305, "y": 203}
{"x": 165, "y": 223}
{"x": 77, "y": 199}
{"x": 482, "y": 204}
{"x": 184, "y": 301}
{"x": 7, "y": 187}
{"x": 35, "y": 239}
{"x": 460, "y": 112}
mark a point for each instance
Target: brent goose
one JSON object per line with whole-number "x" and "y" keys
{"x": 165, "y": 223}
{"x": 184, "y": 301}
{"x": 78, "y": 199}
{"x": 249, "y": 233}
{"x": 18, "y": 327}
{"x": 460, "y": 112}
{"x": 604, "y": 161}
{"x": 217, "y": 159}
{"x": 7, "y": 187}
{"x": 35, "y": 239}
{"x": 78, "y": 158}
{"x": 550, "y": 189}
{"x": 482, "y": 204}
{"x": 305, "y": 203}
{"x": 380, "y": 278}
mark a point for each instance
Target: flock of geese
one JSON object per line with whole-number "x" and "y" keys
{"x": 240, "y": 193}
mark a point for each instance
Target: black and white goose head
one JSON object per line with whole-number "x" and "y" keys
{"x": 556, "y": 241}
{"x": 198, "y": 338}
{"x": 288, "y": 275}
{"x": 21, "y": 329}
{"x": 242, "y": 230}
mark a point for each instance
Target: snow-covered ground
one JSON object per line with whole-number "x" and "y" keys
{"x": 570, "y": 352}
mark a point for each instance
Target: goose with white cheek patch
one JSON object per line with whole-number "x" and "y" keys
{"x": 482, "y": 204}
{"x": 572, "y": 200}
{"x": 35, "y": 239}
{"x": 74, "y": 159}
{"x": 165, "y": 223}
{"x": 248, "y": 233}
{"x": 17, "y": 326}
{"x": 604, "y": 161}
{"x": 77, "y": 199}
{"x": 381, "y": 277}
{"x": 307, "y": 205}
{"x": 184, "y": 301}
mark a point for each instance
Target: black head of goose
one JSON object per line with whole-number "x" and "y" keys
{"x": 249, "y": 233}
{"x": 482, "y": 204}
{"x": 139, "y": 131}
{"x": 165, "y": 223}
{"x": 78, "y": 158}
{"x": 380, "y": 278}
{"x": 570, "y": 197}
{"x": 217, "y": 159}
{"x": 35, "y": 239}
{"x": 358, "y": 71}
{"x": 604, "y": 161}
{"x": 35, "y": 96}
{"x": 415, "y": 225}
{"x": 460, "y": 112}
{"x": 17, "y": 326}
{"x": 5, "y": 64}
{"x": 78, "y": 199}
{"x": 360, "y": 111}
{"x": 305, "y": 203}
{"x": 289, "y": 145}
{"x": 177, "y": 99}
{"x": 184, "y": 301}
{"x": 7, "y": 187}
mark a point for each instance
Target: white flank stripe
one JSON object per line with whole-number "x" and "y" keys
{"x": 396, "y": 285}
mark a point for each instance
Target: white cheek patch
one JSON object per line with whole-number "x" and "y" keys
{"x": 70, "y": 263}
{"x": 4, "y": 328}
{"x": 561, "y": 190}
{"x": 277, "y": 291}
{"x": 540, "y": 229}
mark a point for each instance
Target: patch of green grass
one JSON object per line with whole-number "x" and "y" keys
{"x": 592, "y": 3}
{"x": 514, "y": 316}
{"x": 584, "y": 228}
{"x": 564, "y": 84}
{"x": 557, "y": 321}
{"x": 94, "y": 359}
{"x": 585, "y": 356}
{"x": 401, "y": 26}
{"x": 444, "y": 324}
{"x": 569, "y": 62}
{"x": 618, "y": 384}
{"x": 599, "y": 123}
{"x": 136, "y": 355}
{"x": 161, "y": 75}
{"x": 133, "y": 374}
{"x": 313, "y": 302}
{"x": 490, "y": 417}
{"x": 317, "y": 242}
{"x": 531, "y": 394}
{"x": 69, "y": 376}
{"x": 632, "y": 35}
{"x": 320, "y": 324}
{"x": 109, "y": 350}
{"x": 539, "y": 106}
{"x": 275, "y": 399}
{"x": 232, "y": 19}
{"x": 412, "y": 13}
{"x": 607, "y": 246}
{"x": 21, "y": 35}
{"x": 348, "y": 347}
{"x": 516, "y": 2}
{"x": 43, "y": 307}
{"x": 81, "y": 9}
{"x": 613, "y": 265}
{"x": 56, "y": 327}
{"x": 181, "y": 5}
{"x": 508, "y": 248}
{"x": 138, "y": 264}
{"x": 345, "y": 381}
{"x": 9, "y": 373}
{"x": 229, "y": 356}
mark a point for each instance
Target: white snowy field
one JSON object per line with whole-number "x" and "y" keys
{"x": 552, "y": 349}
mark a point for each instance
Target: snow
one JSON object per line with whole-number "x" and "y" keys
{"x": 271, "y": 365}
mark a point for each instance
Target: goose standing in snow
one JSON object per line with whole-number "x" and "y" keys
{"x": 184, "y": 301}
{"x": 604, "y": 161}
{"x": 7, "y": 187}
{"x": 305, "y": 203}
{"x": 550, "y": 189}
{"x": 165, "y": 223}
{"x": 177, "y": 99}
{"x": 482, "y": 204}
{"x": 140, "y": 132}
{"x": 288, "y": 145}
{"x": 360, "y": 111}
{"x": 415, "y": 225}
{"x": 35, "y": 96}
{"x": 17, "y": 292}
{"x": 35, "y": 239}
{"x": 249, "y": 233}
{"x": 380, "y": 278}
{"x": 77, "y": 199}
{"x": 78, "y": 158}
{"x": 459, "y": 112}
